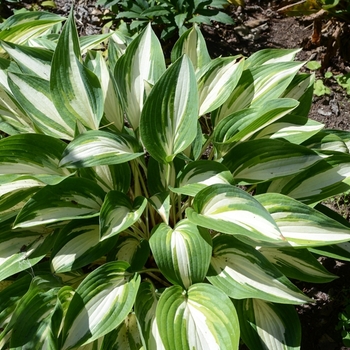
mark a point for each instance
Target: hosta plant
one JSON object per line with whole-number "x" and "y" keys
{"x": 154, "y": 206}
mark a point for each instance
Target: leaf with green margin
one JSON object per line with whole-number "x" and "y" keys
{"x": 33, "y": 94}
{"x": 73, "y": 198}
{"x": 161, "y": 203}
{"x": 243, "y": 124}
{"x": 241, "y": 272}
{"x": 200, "y": 174}
{"x": 183, "y": 253}
{"x": 343, "y": 134}
{"x": 145, "y": 310}
{"x": 265, "y": 325}
{"x": 268, "y": 159}
{"x": 228, "y": 209}
{"x": 75, "y": 90}
{"x": 298, "y": 264}
{"x": 268, "y": 56}
{"x": 192, "y": 43}
{"x": 326, "y": 142}
{"x": 113, "y": 112}
{"x": 100, "y": 304}
{"x": 90, "y": 42}
{"x": 125, "y": 337}
{"x": 169, "y": 117}
{"x": 97, "y": 147}
{"x": 134, "y": 251}
{"x": 118, "y": 213}
{"x": 78, "y": 244}
{"x": 32, "y": 60}
{"x": 32, "y": 154}
{"x": 30, "y": 325}
{"x": 324, "y": 179}
{"x": 300, "y": 224}
{"x": 217, "y": 80}
{"x": 193, "y": 320}
{"x": 257, "y": 86}
{"x": 21, "y": 249}
{"x": 291, "y": 128}
{"x": 143, "y": 61}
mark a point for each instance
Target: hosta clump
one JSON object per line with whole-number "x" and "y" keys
{"x": 158, "y": 207}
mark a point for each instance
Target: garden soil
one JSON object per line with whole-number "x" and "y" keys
{"x": 257, "y": 26}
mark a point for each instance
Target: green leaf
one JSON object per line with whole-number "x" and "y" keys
{"x": 78, "y": 245}
{"x": 265, "y": 325}
{"x": 183, "y": 253}
{"x": 142, "y": 63}
{"x": 193, "y": 320}
{"x": 169, "y": 117}
{"x": 227, "y": 209}
{"x": 200, "y": 174}
{"x": 267, "y": 159}
{"x": 161, "y": 203}
{"x": 100, "y": 304}
{"x": 145, "y": 310}
{"x": 302, "y": 225}
{"x": 298, "y": 264}
{"x": 75, "y": 90}
{"x": 97, "y": 147}
{"x": 257, "y": 86}
{"x": 192, "y": 43}
{"x": 33, "y": 93}
{"x": 327, "y": 143}
{"x": 118, "y": 213}
{"x": 217, "y": 80}
{"x": 242, "y": 272}
{"x": 73, "y": 198}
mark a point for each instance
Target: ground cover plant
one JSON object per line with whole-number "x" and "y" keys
{"x": 158, "y": 206}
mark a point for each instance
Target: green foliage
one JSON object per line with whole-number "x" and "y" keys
{"x": 124, "y": 220}
{"x": 167, "y": 17}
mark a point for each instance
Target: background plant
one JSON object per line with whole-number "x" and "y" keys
{"x": 123, "y": 219}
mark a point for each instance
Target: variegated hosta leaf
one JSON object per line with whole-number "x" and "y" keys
{"x": 325, "y": 142}
{"x": 23, "y": 26}
{"x": 143, "y": 62}
{"x": 216, "y": 82}
{"x": 118, "y": 213}
{"x": 90, "y": 42}
{"x": 243, "y": 124}
{"x": 75, "y": 90}
{"x": 268, "y": 56}
{"x": 266, "y": 159}
{"x": 30, "y": 325}
{"x": 21, "y": 249}
{"x": 257, "y": 86}
{"x": 126, "y": 336}
{"x": 32, "y": 60}
{"x": 343, "y": 134}
{"x": 113, "y": 112}
{"x": 145, "y": 310}
{"x": 192, "y": 319}
{"x": 243, "y": 272}
{"x": 340, "y": 251}
{"x": 324, "y": 179}
{"x": 78, "y": 245}
{"x": 10, "y": 295}
{"x": 298, "y": 264}
{"x": 265, "y": 325}
{"x": 192, "y": 43}
{"x": 97, "y": 147}
{"x": 302, "y": 225}
{"x": 230, "y": 210}
{"x": 291, "y": 128}
{"x": 161, "y": 203}
{"x": 200, "y": 174}
{"x": 134, "y": 251}
{"x": 32, "y": 154}
{"x": 183, "y": 253}
{"x": 73, "y": 198}
{"x": 169, "y": 117}
{"x": 101, "y": 303}
{"x": 33, "y": 93}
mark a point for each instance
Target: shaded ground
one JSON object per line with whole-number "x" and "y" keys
{"x": 259, "y": 26}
